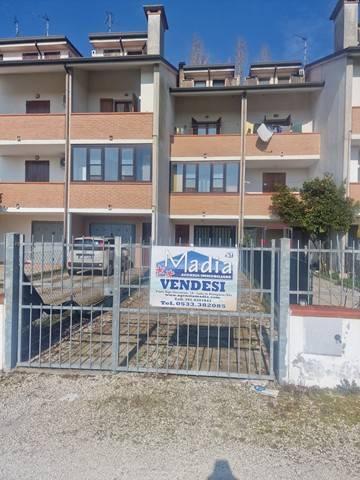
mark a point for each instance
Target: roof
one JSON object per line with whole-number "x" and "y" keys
{"x": 154, "y": 9}
{"x": 40, "y": 39}
{"x": 116, "y": 35}
{"x": 215, "y": 66}
{"x": 287, "y": 63}
{"x": 338, "y": 6}
{"x": 339, "y": 53}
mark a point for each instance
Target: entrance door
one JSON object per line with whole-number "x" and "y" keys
{"x": 273, "y": 180}
{"x": 38, "y": 106}
{"x": 37, "y": 171}
{"x": 124, "y": 230}
{"x": 182, "y": 234}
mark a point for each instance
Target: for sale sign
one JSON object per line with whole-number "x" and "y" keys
{"x": 195, "y": 278}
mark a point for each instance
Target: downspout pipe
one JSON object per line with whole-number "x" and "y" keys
{"x": 68, "y": 108}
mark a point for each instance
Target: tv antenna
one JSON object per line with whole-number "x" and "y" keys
{"x": 47, "y": 24}
{"x": 17, "y": 28}
{"x": 305, "y": 41}
{"x": 109, "y": 21}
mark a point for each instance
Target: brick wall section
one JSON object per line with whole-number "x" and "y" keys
{"x": 118, "y": 195}
{"x": 210, "y": 145}
{"x": 219, "y": 204}
{"x": 284, "y": 144}
{"x": 355, "y": 191}
{"x": 117, "y": 125}
{"x": 32, "y": 195}
{"x": 356, "y": 120}
{"x": 32, "y": 127}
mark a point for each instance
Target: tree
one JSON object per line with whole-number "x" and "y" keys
{"x": 198, "y": 56}
{"x": 321, "y": 208}
{"x": 241, "y": 53}
{"x": 265, "y": 54}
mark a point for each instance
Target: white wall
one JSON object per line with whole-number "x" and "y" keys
{"x": 324, "y": 370}
{"x": 299, "y": 105}
{"x": 12, "y": 169}
{"x": 331, "y": 117}
{"x": 206, "y": 109}
{"x": 354, "y": 164}
{"x": 295, "y": 177}
{"x": 147, "y": 89}
{"x": 15, "y": 90}
{"x": 21, "y": 223}
{"x": 356, "y": 86}
{"x": 2, "y": 336}
{"x": 80, "y": 91}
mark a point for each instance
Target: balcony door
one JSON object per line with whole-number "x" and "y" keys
{"x": 38, "y": 106}
{"x": 273, "y": 180}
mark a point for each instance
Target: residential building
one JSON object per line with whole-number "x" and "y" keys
{"x": 124, "y": 143}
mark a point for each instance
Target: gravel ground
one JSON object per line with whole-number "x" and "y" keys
{"x": 69, "y": 426}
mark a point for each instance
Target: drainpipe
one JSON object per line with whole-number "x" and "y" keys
{"x": 155, "y": 159}
{"x": 68, "y": 108}
{"x": 38, "y": 49}
{"x": 242, "y": 168}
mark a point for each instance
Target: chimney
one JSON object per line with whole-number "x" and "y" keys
{"x": 157, "y": 24}
{"x": 346, "y": 19}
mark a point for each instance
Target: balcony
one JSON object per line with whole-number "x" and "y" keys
{"x": 216, "y": 204}
{"x": 355, "y": 191}
{"x": 111, "y": 195}
{"x": 31, "y": 195}
{"x": 16, "y": 128}
{"x": 206, "y": 145}
{"x": 284, "y": 144}
{"x": 116, "y": 126}
{"x": 356, "y": 120}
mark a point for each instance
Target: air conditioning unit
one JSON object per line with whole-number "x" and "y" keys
{"x": 93, "y": 53}
{"x": 62, "y": 162}
{"x": 302, "y": 72}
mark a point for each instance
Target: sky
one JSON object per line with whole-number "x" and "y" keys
{"x": 219, "y": 23}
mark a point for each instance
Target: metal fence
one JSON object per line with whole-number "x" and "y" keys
{"x": 2, "y": 262}
{"x": 87, "y": 307}
{"x": 325, "y": 276}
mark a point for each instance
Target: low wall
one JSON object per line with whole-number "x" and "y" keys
{"x": 2, "y": 331}
{"x": 323, "y": 346}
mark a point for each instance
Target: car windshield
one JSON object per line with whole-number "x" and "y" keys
{"x": 90, "y": 244}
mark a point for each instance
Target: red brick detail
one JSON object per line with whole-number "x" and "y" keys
{"x": 324, "y": 311}
{"x": 32, "y": 127}
{"x": 118, "y": 195}
{"x": 355, "y": 120}
{"x": 117, "y": 125}
{"x": 284, "y": 144}
{"x": 32, "y": 195}
{"x": 355, "y": 191}
{"x": 209, "y": 145}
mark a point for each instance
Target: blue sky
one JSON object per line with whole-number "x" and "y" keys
{"x": 219, "y": 24}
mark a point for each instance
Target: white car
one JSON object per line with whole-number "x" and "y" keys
{"x": 91, "y": 254}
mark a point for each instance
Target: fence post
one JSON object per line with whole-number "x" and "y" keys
{"x": 12, "y": 285}
{"x": 116, "y": 303}
{"x": 283, "y": 311}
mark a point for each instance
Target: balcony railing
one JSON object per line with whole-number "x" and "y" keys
{"x": 356, "y": 120}
{"x": 111, "y": 126}
{"x": 32, "y": 127}
{"x": 111, "y": 195}
{"x": 31, "y": 195}
{"x": 205, "y": 145}
{"x": 283, "y": 144}
{"x": 258, "y": 204}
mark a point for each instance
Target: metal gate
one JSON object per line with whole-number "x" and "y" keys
{"x": 85, "y": 305}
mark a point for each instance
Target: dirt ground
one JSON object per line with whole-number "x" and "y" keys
{"x": 69, "y": 426}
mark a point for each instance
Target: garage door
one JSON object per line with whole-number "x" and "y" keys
{"x": 47, "y": 231}
{"x": 124, "y": 230}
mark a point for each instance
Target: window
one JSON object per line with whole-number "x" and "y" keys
{"x": 206, "y": 128}
{"x": 37, "y": 171}
{"x": 123, "y": 106}
{"x": 190, "y": 178}
{"x": 218, "y": 83}
{"x": 232, "y": 177}
{"x": 199, "y": 83}
{"x": 205, "y": 177}
{"x": 50, "y": 55}
{"x": 30, "y": 56}
{"x": 112, "y": 52}
{"x": 177, "y": 177}
{"x": 95, "y": 164}
{"x": 273, "y": 180}
{"x": 112, "y": 163}
{"x": 111, "y": 170}
{"x": 218, "y": 178}
{"x": 38, "y": 106}
{"x": 264, "y": 80}
{"x": 1, "y": 57}
{"x": 284, "y": 79}
{"x": 127, "y": 164}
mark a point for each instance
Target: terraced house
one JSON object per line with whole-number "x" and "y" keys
{"x": 124, "y": 143}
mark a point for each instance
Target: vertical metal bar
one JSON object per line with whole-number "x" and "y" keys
{"x": 116, "y": 303}
{"x": 50, "y": 333}
{"x": 30, "y": 333}
{"x": 91, "y": 336}
{"x": 20, "y": 297}
{"x": 272, "y": 310}
{"x": 60, "y": 336}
